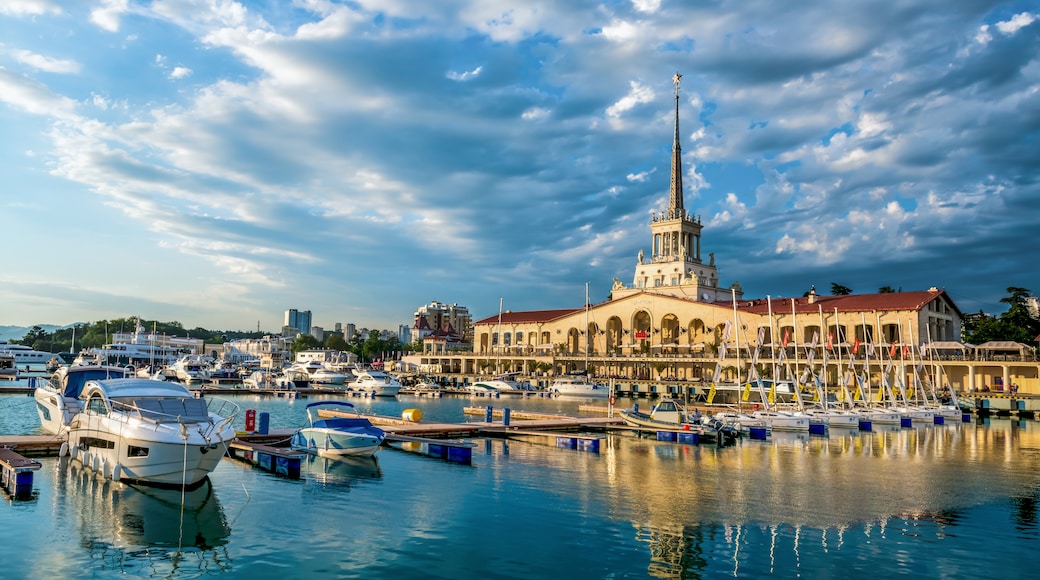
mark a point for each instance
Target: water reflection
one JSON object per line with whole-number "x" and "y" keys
{"x": 125, "y": 526}
{"x": 796, "y": 494}
{"x": 343, "y": 472}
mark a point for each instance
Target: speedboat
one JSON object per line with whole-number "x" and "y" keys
{"x": 149, "y": 432}
{"x": 672, "y": 415}
{"x": 376, "y": 382}
{"x": 482, "y": 388}
{"x": 57, "y": 401}
{"x": 337, "y": 436}
{"x": 578, "y": 386}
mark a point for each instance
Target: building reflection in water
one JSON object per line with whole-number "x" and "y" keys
{"x": 699, "y": 507}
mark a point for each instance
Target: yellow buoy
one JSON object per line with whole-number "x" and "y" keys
{"x": 412, "y": 415}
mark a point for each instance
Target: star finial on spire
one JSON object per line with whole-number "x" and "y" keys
{"x": 676, "y": 79}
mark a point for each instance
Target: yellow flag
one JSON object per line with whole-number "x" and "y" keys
{"x": 910, "y": 393}
{"x": 880, "y": 394}
{"x": 772, "y": 393}
{"x": 711, "y": 394}
{"x": 859, "y": 394}
{"x": 747, "y": 392}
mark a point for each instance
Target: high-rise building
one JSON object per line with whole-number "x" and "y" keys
{"x": 440, "y": 316}
{"x": 298, "y": 319}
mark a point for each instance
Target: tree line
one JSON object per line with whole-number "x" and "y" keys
{"x": 97, "y": 334}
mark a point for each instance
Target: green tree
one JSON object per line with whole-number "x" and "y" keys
{"x": 336, "y": 342}
{"x": 304, "y": 342}
{"x": 886, "y": 290}
{"x": 839, "y": 290}
{"x": 1017, "y": 324}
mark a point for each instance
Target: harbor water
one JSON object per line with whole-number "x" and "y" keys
{"x": 936, "y": 501}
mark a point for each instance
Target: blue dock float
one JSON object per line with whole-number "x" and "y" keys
{"x": 16, "y": 473}
{"x": 452, "y": 451}
{"x": 865, "y": 425}
{"x": 760, "y": 433}
{"x": 280, "y": 461}
{"x": 906, "y": 422}
{"x": 817, "y": 428}
{"x": 938, "y": 420}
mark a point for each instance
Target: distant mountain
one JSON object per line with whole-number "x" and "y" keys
{"x": 9, "y": 333}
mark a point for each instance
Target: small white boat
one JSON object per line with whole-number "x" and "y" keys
{"x": 481, "y": 388}
{"x": 377, "y": 383}
{"x": 149, "y": 432}
{"x": 838, "y": 418}
{"x": 337, "y": 436}
{"x": 578, "y": 386}
{"x": 58, "y": 401}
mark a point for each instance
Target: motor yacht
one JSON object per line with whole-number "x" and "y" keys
{"x": 149, "y": 432}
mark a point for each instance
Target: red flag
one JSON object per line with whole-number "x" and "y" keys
{"x": 855, "y": 347}
{"x": 787, "y": 337}
{"x": 830, "y": 340}
{"x": 892, "y": 351}
{"x": 906, "y": 351}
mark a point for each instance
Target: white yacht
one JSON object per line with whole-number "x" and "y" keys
{"x": 578, "y": 386}
{"x": 190, "y": 369}
{"x": 149, "y": 432}
{"x": 8, "y": 368}
{"x": 320, "y": 374}
{"x": 376, "y": 382}
{"x": 24, "y": 355}
{"x": 57, "y": 401}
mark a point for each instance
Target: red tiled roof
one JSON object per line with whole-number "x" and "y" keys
{"x": 530, "y": 316}
{"x": 847, "y": 303}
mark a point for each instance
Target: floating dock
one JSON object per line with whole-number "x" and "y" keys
{"x": 277, "y": 460}
{"x": 16, "y": 473}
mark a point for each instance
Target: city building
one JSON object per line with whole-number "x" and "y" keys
{"x": 437, "y": 316}
{"x": 300, "y": 320}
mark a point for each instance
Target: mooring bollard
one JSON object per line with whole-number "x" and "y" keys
{"x": 488, "y": 414}
{"x": 505, "y": 416}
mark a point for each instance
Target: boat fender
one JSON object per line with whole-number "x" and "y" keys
{"x": 86, "y": 459}
{"x": 104, "y": 469}
{"x": 97, "y": 463}
{"x": 64, "y": 449}
{"x": 73, "y": 451}
{"x": 412, "y": 415}
{"x": 117, "y": 472}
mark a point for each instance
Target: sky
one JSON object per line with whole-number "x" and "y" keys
{"x": 216, "y": 163}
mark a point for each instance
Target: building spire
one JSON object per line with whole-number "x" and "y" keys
{"x": 675, "y": 198}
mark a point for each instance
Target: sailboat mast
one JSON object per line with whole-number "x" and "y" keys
{"x": 736, "y": 330}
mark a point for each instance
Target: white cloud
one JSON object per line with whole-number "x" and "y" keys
{"x": 637, "y": 94}
{"x": 180, "y": 72}
{"x": 1016, "y": 23}
{"x": 46, "y": 63}
{"x": 107, "y": 14}
{"x": 29, "y": 7}
{"x": 648, "y": 6}
{"x": 464, "y": 76}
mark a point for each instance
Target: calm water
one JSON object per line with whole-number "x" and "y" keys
{"x": 949, "y": 501}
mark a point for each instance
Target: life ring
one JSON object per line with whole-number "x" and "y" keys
{"x": 611, "y": 399}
